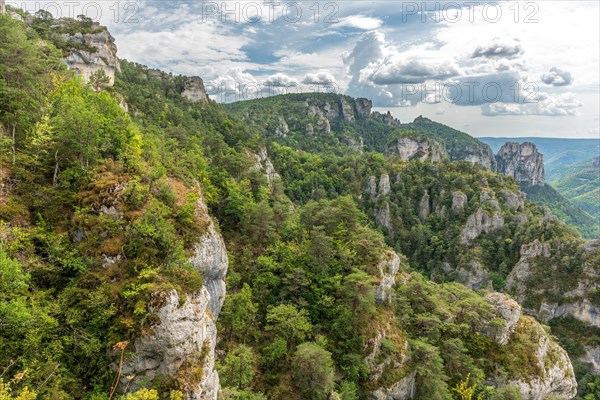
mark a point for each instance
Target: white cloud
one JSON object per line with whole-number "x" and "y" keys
{"x": 359, "y": 22}
{"x": 564, "y": 104}
{"x": 319, "y": 78}
{"x": 557, "y": 77}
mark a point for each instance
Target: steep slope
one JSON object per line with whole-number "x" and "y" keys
{"x": 580, "y": 184}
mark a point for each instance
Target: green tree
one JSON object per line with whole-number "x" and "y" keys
{"x": 239, "y": 314}
{"x": 288, "y": 323}
{"x": 237, "y": 369}
{"x": 313, "y": 372}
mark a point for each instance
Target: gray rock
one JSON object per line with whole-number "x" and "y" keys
{"x": 558, "y": 378}
{"x": 371, "y": 186}
{"x": 480, "y": 222}
{"x": 388, "y": 267}
{"x": 384, "y": 185}
{"x": 404, "y": 389}
{"x": 194, "y": 90}
{"x": 523, "y": 162}
{"x": 347, "y": 110}
{"x": 211, "y": 260}
{"x": 363, "y": 107}
{"x": 183, "y": 341}
{"x": 509, "y": 312}
{"x": 282, "y": 129}
{"x": 459, "y": 202}
{"x": 592, "y": 356}
{"x": 85, "y": 63}
{"x": 383, "y": 216}
{"x": 416, "y": 148}
{"x": 514, "y": 201}
{"x": 474, "y": 275}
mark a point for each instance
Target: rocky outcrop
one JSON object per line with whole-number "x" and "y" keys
{"x": 383, "y": 216}
{"x": 384, "y": 185}
{"x": 371, "y": 186}
{"x": 480, "y": 222}
{"x": 282, "y": 128}
{"x": 459, "y": 202}
{"x": 424, "y": 208}
{"x": 592, "y": 356}
{"x": 211, "y": 260}
{"x": 481, "y": 155}
{"x": 386, "y": 118}
{"x": 404, "y": 389}
{"x": 556, "y": 376}
{"x": 363, "y": 107}
{"x": 388, "y": 267}
{"x": 194, "y": 90}
{"x": 180, "y": 346}
{"x": 264, "y": 164}
{"x": 474, "y": 275}
{"x": 514, "y": 200}
{"x": 508, "y": 312}
{"x": 523, "y": 162}
{"x": 576, "y": 302}
{"x": 382, "y": 360}
{"x": 416, "y": 148}
{"x": 92, "y": 52}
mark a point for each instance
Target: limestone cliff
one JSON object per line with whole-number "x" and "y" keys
{"x": 194, "y": 90}
{"x": 523, "y": 162}
{"x": 181, "y": 345}
{"x": 416, "y": 148}
{"x": 92, "y": 52}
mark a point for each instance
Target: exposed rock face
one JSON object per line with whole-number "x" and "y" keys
{"x": 558, "y": 378}
{"x": 380, "y": 361}
{"x": 388, "y": 267}
{"x": 371, "y": 186}
{"x": 404, "y": 389}
{"x": 282, "y": 129}
{"x": 417, "y": 148}
{"x": 384, "y": 185}
{"x": 459, "y": 202}
{"x": 514, "y": 201}
{"x": 482, "y": 155}
{"x": 85, "y": 62}
{"x": 194, "y": 90}
{"x": 509, "y": 312}
{"x": 480, "y": 222}
{"x": 473, "y": 276}
{"x": 592, "y": 356}
{"x": 579, "y": 307}
{"x": 347, "y": 110}
{"x": 181, "y": 345}
{"x": 210, "y": 258}
{"x": 383, "y": 216}
{"x": 387, "y": 118}
{"x": 262, "y": 163}
{"x": 523, "y": 162}
{"x": 363, "y": 107}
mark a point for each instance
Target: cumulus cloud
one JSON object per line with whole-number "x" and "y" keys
{"x": 499, "y": 49}
{"x": 281, "y": 79}
{"x": 234, "y": 85}
{"x": 557, "y": 77}
{"x": 560, "y": 105}
{"x": 322, "y": 78}
{"x": 396, "y": 70}
{"x": 359, "y": 22}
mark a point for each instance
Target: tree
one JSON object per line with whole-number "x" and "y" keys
{"x": 237, "y": 369}
{"x": 288, "y": 323}
{"x": 313, "y": 372}
{"x": 239, "y": 314}
{"x": 99, "y": 80}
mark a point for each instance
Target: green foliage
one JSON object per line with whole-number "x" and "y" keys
{"x": 237, "y": 368}
{"x": 312, "y": 369}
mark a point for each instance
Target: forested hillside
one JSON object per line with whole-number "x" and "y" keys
{"x": 363, "y": 260}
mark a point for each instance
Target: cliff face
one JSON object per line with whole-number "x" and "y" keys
{"x": 417, "y": 148}
{"x": 523, "y": 162}
{"x": 194, "y": 90}
{"x": 182, "y": 344}
{"x": 92, "y": 52}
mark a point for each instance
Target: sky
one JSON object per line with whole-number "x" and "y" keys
{"x": 518, "y": 68}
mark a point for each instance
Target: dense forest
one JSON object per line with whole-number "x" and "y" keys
{"x": 351, "y": 271}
